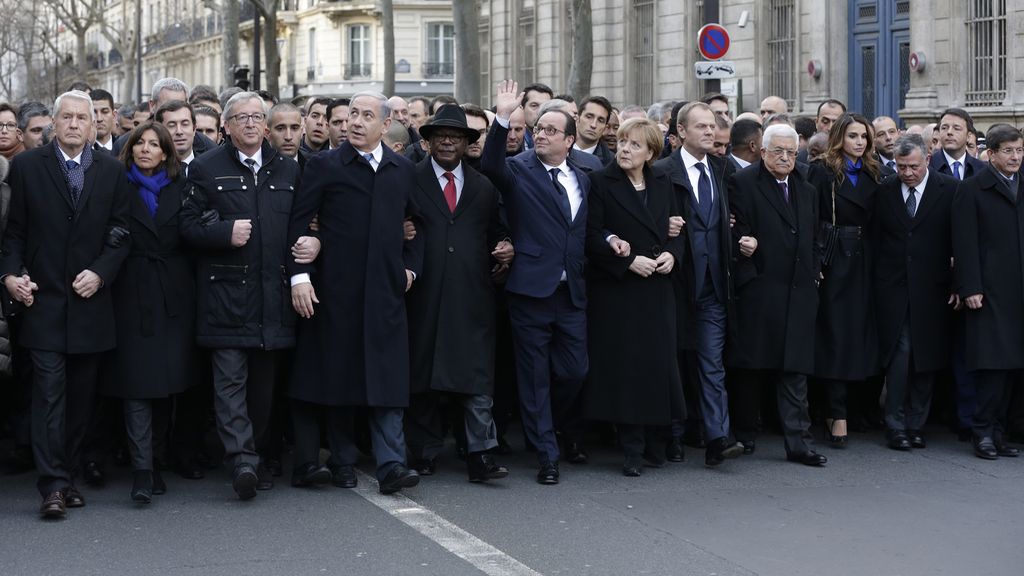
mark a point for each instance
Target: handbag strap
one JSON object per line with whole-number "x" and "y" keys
{"x": 833, "y": 203}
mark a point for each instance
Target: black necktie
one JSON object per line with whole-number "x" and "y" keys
{"x": 563, "y": 196}
{"x": 785, "y": 191}
{"x": 911, "y": 202}
{"x": 251, "y": 163}
{"x": 704, "y": 192}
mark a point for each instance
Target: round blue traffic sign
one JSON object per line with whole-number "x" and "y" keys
{"x": 712, "y": 41}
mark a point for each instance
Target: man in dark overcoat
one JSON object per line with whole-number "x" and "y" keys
{"x": 451, "y": 308}
{"x": 913, "y": 281}
{"x": 244, "y": 310}
{"x": 776, "y": 279}
{"x": 353, "y": 347}
{"x": 66, "y": 238}
{"x": 988, "y": 231}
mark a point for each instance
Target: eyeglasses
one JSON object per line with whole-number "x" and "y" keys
{"x": 449, "y": 136}
{"x": 1008, "y": 151}
{"x": 245, "y": 118}
{"x": 11, "y": 126}
{"x": 547, "y": 130}
{"x": 782, "y": 152}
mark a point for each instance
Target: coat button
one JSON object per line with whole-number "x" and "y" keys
{"x": 69, "y": 218}
{"x": 451, "y": 222}
{"x": 792, "y": 231}
{"x": 451, "y": 249}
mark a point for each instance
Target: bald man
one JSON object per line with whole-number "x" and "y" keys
{"x": 773, "y": 105}
{"x": 886, "y": 134}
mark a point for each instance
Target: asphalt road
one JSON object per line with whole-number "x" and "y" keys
{"x": 871, "y": 511}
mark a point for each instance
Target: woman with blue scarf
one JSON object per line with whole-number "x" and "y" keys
{"x": 846, "y": 343}
{"x": 154, "y": 303}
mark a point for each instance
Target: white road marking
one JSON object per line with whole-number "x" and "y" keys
{"x": 480, "y": 554}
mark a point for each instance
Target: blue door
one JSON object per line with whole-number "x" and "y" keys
{"x": 879, "y": 73}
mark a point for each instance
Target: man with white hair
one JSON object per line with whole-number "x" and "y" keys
{"x": 168, "y": 90}
{"x": 775, "y": 274}
{"x": 65, "y": 240}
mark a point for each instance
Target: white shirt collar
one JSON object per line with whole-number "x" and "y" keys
{"x": 258, "y": 157}
{"x": 377, "y": 153}
{"x": 950, "y": 159}
{"x": 919, "y": 188}
{"x": 590, "y": 150}
{"x": 66, "y": 157}
{"x": 191, "y": 156}
{"x": 108, "y": 145}
{"x": 563, "y": 168}
{"x": 439, "y": 171}
{"x": 689, "y": 160}
{"x": 740, "y": 161}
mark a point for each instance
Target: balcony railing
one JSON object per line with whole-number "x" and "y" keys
{"x": 438, "y": 69}
{"x": 361, "y": 70}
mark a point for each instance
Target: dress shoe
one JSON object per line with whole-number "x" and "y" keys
{"x": 916, "y": 439}
{"x": 159, "y": 486}
{"x": 310, "y": 475}
{"x": 93, "y": 474}
{"x": 633, "y": 466}
{"x": 245, "y": 480}
{"x": 1006, "y": 451}
{"x": 748, "y": 446}
{"x": 264, "y": 479}
{"x": 809, "y": 458}
{"x": 832, "y": 439}
{"x": 897, "y": 440}
{"x": 142, "y": 486}
{"x": 399, "y": 477}
{"x": 985, "y": 448}
{"x": 53, "y": 505}
{"x": 189, "y": 469}
{"x": 548, "y": 473}
{"x": 481, "y": 468}
{"x": 73, "y": 498}
{"x": 674, "y": 450}
{"x": 344, "y": 476}
{"x": 424, "y": 466}
{"x": 575, "y": 454}
{"x": 720, "y": 449}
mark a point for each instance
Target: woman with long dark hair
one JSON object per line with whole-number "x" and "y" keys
{"x": 154, "y": 301}
{"x": 846, "y": 343}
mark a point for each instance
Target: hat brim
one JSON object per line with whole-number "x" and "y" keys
{"x": 427, "y": 129}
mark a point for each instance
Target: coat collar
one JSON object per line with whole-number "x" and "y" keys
{"x": 771, "y": 191}
{"x": 625, "y": 194}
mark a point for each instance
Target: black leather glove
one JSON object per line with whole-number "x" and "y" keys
{"x": 117, "y": 236}
{"x": 209, "y": 217}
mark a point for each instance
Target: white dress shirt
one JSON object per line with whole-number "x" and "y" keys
{"x": 919, "y": 189}
{"x": 694, "y": 174}
{"x": 962, "y": 160}
{"x": 457, "y": 172}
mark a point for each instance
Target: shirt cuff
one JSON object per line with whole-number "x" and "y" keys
{"x": 611, "y": 237}
{"x": 502, "y": 121}
{"x": 301, "y": 279}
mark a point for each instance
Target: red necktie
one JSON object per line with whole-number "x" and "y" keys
{"x": 449, "y": 191}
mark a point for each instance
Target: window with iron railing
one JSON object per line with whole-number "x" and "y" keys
{"x": 440, "y": 50}
{"x": 781, "y": 45}
{"x": 986, "y": 52}
{"x": 359, "y": 59}
{"x": 485, "y": 62}
{"x": 527, "y": 40}
{"x": 641, "y": 50}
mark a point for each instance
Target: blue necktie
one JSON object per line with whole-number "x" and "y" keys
{"x": 704, "y": 192}
{"x": 369, "y": 159}
{"x": 956, "y": 170}
{"x": 563, "y": 196}
{"x": 76, "y": 180}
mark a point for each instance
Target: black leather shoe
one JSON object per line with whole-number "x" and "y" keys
{"x": 481, "y": 468}
{"x": 93, "y": 474}
{"x": 575, "y": 454}
{"x": 674, "y": 451}
{"x": 720, "y": 449}
{"x": 73, "y": 498}
{"x": 344, "y": 477}
{"x": 424, "y": 466}
{"x": 633, "y": 466}
{"x": 310, "y": 475}
{"x": 399, "y": 477}
{"x": 53, "y": 505}
{"x": 548, "y": 473}
{"x": 1006, "y": 451}
{"x": 142, "y": 486}
{"x": 832, "y": 439}
{"x": 916, "y": 439}
{"x": 748, "y": 447}
{"x": 897, "y": 440}
{"x": 985, "y": 448}
{"x": 245, "y": 480}
{"x": 809, "y": 458}
{"x": 264, "y": 478}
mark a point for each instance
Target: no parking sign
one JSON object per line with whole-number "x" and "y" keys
{"x": 712, "y": 41}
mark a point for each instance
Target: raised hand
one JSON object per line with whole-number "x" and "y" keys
{"x": 507, "y": 99}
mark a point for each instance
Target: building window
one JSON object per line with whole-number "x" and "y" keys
{"x": 440, "y": 50}
{"x": 485, "y": 62}
{"x": 527, "y": 37}
{"x": 311, "y": 69}
{"x": 641, "y": 42}
{"x": 781, "y": 43}
{"x": 358, "y": 51}
{"x": 986, "y": 52}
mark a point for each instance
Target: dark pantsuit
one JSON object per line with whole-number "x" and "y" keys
{"x": 963, "y": 379}
{"x": 791, "y": 397}
{"x": 138, "y": 423}
{"x": 908, "y": 393}
{"x": 424, "y": 422}
{"x": 714, "y": 401}
{"x": 993, "y": 393}
{"x": 191, "y": 412}
{"x": 386, "y": 435}
{"x": 63, "y": 392}
{"x": 243, "y": 383}
{"x": 551, "y": 363}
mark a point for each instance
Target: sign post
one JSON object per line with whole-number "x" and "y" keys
{"x": 713, "y": 42}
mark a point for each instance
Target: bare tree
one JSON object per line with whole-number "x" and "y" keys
{"x": 77, "y": 16}
{"x": 387, "y": 24}
{"x": 123, "y": 37}
{"x": 582, "y": 64}
{"x": 467, "y": 50}
{"x": 271, "y": 57}
{"x": 230, "y": 9}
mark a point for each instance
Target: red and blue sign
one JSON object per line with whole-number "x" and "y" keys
{"x": 712, "y": 41}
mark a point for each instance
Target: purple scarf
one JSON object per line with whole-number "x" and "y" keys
{"x": 149, "y": 187}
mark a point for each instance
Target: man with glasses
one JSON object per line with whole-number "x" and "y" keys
{"x": 545, "y": 198}
{"x": 237, "y": 219}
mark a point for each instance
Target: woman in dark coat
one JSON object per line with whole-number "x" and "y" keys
{"x": 846, "y": 343}
{"x": 634, "y": 379}
{"x": 154, "y": 300}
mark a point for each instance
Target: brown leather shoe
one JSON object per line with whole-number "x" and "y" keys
{"x": 53, "y": 505}
{"x": 73, "y": 498}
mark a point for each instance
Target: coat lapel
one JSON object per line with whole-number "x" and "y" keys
{"x": 774, "y": 196}
{"x": 140, "y": 213}
{"x": 432, "y": 188}
{"x": 629, "y": 198}
{"x": 470, "y": 189}
{"x": 548, "y": 191}
{"x": 929, "y": 199}
{"x": 170, "y": 202}
{"x": 61, "y": 185}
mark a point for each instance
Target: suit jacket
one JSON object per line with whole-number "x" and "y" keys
{"x": 52, "y": 240}
{"x": 602, "y": 153}
{"x": 937, "y": 163}
{"x": 452, "y": 322}
{"x": 546, "y": 242}
{"x": 913, "y": 276}
{"x": 988, "y": 245}
{"x": 685, "y": 275}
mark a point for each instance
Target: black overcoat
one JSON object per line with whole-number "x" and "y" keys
{"x": 988, "y": 244}
{"x": 354, "y": 351}
{"x": 53, "y": 241}
{"x": 776, "y": 296}
{"x": 154, "y": 304}
{"x": 451, "y": 304}
{"x": 244, "y": 296}
{"x": 631, "y": 324}
{"x": 846, "y": 345}
{"x": 912, "y": 258}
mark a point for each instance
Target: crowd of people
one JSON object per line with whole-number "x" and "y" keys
{"x": 371, "y": 274}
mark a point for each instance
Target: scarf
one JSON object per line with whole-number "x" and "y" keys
{"x": 14, "y": 150}
{"x": 852, "y": 170}
{"x": 149, "y": 187}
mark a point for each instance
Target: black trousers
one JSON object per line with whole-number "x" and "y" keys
{"x": 63, "y": 393}
{"x": 791, "y": 396}
{"x": 993, "y": 394}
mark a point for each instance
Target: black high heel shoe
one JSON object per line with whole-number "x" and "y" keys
{"x": 832, "y": 439}
{"x": 142, "y": 486}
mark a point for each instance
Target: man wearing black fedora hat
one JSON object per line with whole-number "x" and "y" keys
{"x": 451, "y": 309}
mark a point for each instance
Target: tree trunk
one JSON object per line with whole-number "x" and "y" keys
{"x": 81, "y": 66}
{"x": 271, "y": 57}
{"x": 230, "y": 41}
{"x": 467, "y": 51}
{"x": 387, "y": 23}
{"x": 582, "y": 49}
